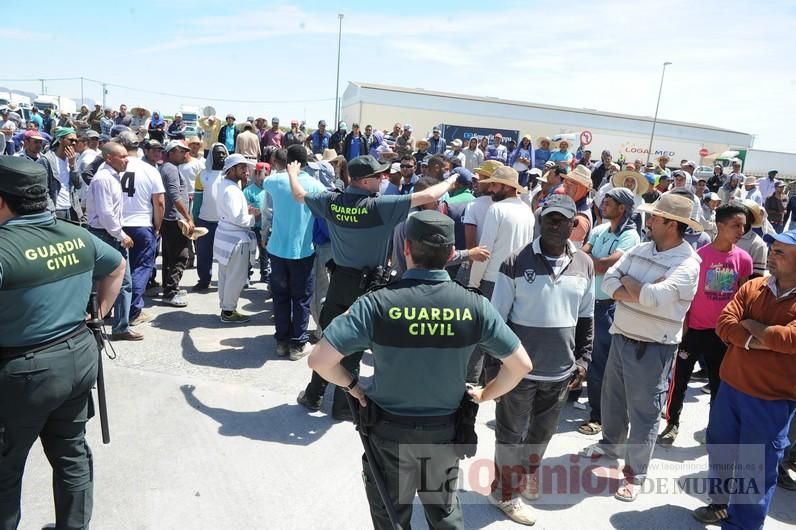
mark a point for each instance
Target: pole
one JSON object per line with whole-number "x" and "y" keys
{"x": 657, "y": 105}
{"x": 82, "y": 99}
{"x": 43, "y": 91}
{"x": 337, "y": 84}
{"x": 104, "y": 93}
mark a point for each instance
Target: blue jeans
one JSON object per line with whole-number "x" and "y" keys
{"x": 292, "y": 285}
{"x": 748, "y": 431}
{"x": 603, "y": 318}
{"x": 120, "y": 323}
{"x": 142, "y": 263}
{"x": 204, "y": 251}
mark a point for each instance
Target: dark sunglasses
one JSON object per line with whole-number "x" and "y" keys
{"x": 407, "y": 166}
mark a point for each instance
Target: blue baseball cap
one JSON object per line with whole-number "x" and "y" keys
{"x": 463, "y": 175}
{"x": 788, "y": 237}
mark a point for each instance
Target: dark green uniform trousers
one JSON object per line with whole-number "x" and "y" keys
{"x": 414, "y": 459}
{"x": 343, "y": 291}
{"x": 46, "y": 395}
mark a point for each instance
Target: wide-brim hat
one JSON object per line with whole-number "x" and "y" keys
{"x": 750, "y": 181}
{"x": 507, "y": 176}
{"x": 147, "y": 114}
{"x": 674, "y": 207}
{"x": 234, "y": 160}
{"x": 758, "y": 213}
{"x": 329, "y": 154}
{"x": 540, "y": 139}
{"x": 555, "y": 143}
{"x": 487, "y": 167}
{"x": 580, "y": 175}
{"x": 663, "y": 157}
{"x": 642, "y": 184}
{"x": 421, "y": 141}
{"x": 198, "y": 231}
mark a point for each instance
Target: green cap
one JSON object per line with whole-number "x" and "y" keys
{"x": 22, "y": 178}
{"x": 430, "y": 227}
{"x": 365, "y": 166}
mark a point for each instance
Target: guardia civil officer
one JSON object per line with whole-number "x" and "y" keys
{"x": 422, "y": 330}
{"x": 360, "y": 224}
{"x": 48, "y": 358}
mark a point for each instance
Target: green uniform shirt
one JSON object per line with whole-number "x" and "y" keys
{"x": 360, "y": 225}
{"x": 422, "y": 330}
{"x": 47, "y": 268}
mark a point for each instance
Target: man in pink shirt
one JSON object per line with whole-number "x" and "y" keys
{"x": 724, "y": 268}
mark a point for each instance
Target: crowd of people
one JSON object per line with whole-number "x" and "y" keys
{"x": 621, "y": 275}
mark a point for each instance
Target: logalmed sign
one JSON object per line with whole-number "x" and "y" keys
{"x": 634, "y": 149}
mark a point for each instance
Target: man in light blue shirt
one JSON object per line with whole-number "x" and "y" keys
{"x": 606, "y": 245}
{"x": 292, "y": 255}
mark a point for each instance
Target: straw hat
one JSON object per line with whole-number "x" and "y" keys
{"x": 750, "y": 181}
{"x": 556, "y": 142}
{"x": 540, "y": 139}
{"x": 663, "y": 157}
{"x": 421, "y": 141}
{"x": 642, "y": 184}
{"x": 329, "y": 154}
{"x": 487, "y": 167}
{"x": 198, "y": 231}
{"x": 758, "y": 213}
{"x": 506, "y": 176}
{"x": 674, "y": 207}
{"x": 580, "y": 175}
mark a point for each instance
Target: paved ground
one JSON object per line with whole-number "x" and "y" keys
{"x": 206, "y": 434}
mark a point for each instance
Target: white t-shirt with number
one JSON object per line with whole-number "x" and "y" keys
{"x": 139, "y": 182}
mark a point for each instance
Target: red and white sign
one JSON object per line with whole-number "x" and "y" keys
{"x": 703, "y": 152}
{"x": 585, "y": 138}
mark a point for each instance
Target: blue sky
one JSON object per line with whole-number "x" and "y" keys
{"x": 734, "y": 64}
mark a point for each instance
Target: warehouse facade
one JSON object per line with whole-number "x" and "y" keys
{"x": 382, "y": 106}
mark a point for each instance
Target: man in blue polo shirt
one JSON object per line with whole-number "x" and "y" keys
{"x": 606, "y": 245}
{"x": 292, "y": 256}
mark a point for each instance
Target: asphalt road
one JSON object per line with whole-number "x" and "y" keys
{"x": 206, "y": 434}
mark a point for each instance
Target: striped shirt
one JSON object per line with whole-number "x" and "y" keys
{"x": 549, "y": 304}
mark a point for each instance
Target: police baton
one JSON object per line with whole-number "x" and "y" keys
{"x": 375, "y": 472}
{"x": 95, "y": 325}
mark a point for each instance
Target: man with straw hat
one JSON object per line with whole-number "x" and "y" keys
{"x": 234, "y": 246}
{"x": 661, "y": 168}
{"x": 508, "y": 226}
{"x": 542, "y": 152}
{"x": 653, "y": 285}
{"x": 577, "y": 185}
{"x": 750, "y": 190}
{"x": 475, "y": 212}
{"x": 751, "y": 241}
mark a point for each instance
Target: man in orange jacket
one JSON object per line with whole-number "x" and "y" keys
{"x": 756, "y": 401}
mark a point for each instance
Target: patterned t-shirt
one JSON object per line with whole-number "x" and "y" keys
{"x": 719, "y": 276}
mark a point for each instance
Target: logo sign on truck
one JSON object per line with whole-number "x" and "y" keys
{"x": 464, "y": 133}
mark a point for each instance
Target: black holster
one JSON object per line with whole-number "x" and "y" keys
{"x": 465, "y": 442}
{"x": 365, "y": 417}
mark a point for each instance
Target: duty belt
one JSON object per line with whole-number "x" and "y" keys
{"x": 12, "y": 352}
{"x": 418, "y": 420}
